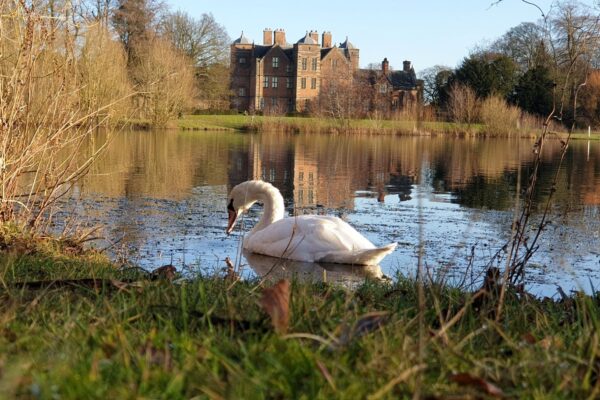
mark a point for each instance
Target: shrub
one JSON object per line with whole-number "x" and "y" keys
{"x": 500, "y": 118}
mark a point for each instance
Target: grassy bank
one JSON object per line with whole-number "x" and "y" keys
{"x": 125, "y": 335}
{"x": 259, "y": 123}
{"x": 321, "y": 125}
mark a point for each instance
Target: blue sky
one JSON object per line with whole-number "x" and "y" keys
{"x": 427, "y": 32}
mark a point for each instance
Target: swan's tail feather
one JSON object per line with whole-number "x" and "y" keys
{"x": 359, "y": 257}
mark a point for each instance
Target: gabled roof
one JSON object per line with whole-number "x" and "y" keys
{"x": 242, "y": 40}
{"x": 403, "y": 79}
{"x": 307, "y": 39}
{"x": 260, "y": 50}
{"x": 325, "y": 52}
{"x": 332, "y": 50}
{"x": 275, "y": 47}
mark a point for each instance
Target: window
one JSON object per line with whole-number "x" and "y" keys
{"x": 301, "y": 176}
{"x": 334, "y": 63}
{"x": 242, "y": 60}
{"x": 303, "y": 83}
{"x": 274, "y": 101}
{"x": 311, "y": 177}
{"x": 275, "y": 62}
{"x": 383, "y": 88}
{"x": 288, "y": 83}
{"x": 288, "y": 68}
{"x": 266, "y": 81}
{"x": 313, "y": 83}
{"x": 262, "y": 105}
{"x": 274, "y": 81}
{"x": 242, "y": 91}
{"x": 314, "y": 64}
{"x": 304, "y": 64}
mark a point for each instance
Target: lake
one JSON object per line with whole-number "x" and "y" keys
{"x": 162, "y": 196}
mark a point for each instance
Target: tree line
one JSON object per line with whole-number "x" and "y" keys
{"x": 533, "y": 68}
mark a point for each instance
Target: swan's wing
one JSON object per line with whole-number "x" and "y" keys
{"x": 306, "y": 238}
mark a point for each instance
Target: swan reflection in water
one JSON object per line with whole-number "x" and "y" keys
{"x": 273, "y": 269}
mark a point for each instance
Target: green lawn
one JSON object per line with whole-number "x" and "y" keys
{"x": 128, "y": 336}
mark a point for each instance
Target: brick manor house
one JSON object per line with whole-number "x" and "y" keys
{"x": 280, "y": 77}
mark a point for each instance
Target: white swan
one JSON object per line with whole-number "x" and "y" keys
{"x": 310, "y": 238}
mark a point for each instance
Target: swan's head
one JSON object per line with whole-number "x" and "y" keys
{"x": 239, "y": 201}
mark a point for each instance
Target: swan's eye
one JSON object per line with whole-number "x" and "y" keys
{"x": 230, "y": 206}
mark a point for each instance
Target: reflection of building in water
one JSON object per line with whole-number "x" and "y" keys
{"x": 311, "y": 175}
{"x": 305, "y": 179}
{"x": 268, "y": 160}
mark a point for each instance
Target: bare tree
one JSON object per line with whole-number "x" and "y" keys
{"x": 434, "y": 81}
{"x": 135, "y": 22}
{"x": 103, "y": 70}
{"x": 575, "y": 40}
{"x": 44, "y": 124}
{"x": 462, "y": 104}
{"x": 165, "y": 81}
{"x": 204, "y": 41}
{"x": 525, "y": 44}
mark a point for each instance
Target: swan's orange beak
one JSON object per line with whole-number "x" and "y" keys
{"x": 231, "y": 222}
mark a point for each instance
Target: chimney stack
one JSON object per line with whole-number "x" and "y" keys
{"x": 267, "y": 37}
{"x": 279, "y": 37}
{"x": 385, "y": 66}
{"x": 407, "y": 66}
{"x": 315, "y": 36}
{"x": 326, "y": 40}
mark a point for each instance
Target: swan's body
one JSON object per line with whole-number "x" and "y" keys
{"x": 309, "y": 238}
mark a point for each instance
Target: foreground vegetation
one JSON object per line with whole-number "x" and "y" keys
{"x": 123, "y": 334}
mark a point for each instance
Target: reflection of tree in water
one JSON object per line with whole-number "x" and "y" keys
{"x": 466, "y": 179}
{"x": 401, "y": 185}
{"x": 481, "y": 192}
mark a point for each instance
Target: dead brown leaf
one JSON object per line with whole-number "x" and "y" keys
{"x": 365, "y": 324}
{"x": 465, "y": 379}
{"x": 166, "y": 272}
{"x": 528, "y": 338}
{"x": 276, "y": 302}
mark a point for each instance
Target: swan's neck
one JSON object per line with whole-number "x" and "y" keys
{"x": 273, "y": 206}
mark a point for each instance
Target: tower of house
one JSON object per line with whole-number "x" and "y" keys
{"x": 307, "y": 52}
{"x": 242, "y": 72}
{"x": 351, "y": 52}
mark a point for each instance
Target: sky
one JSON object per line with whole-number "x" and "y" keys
{"x": 426, "y": 32}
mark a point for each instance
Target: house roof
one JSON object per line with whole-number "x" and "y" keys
{"x": 406, "y": 80}
{"x": 324, "y": 52}
{"x": 260, "y": 51}
{"x": 403, "y": 79}
{"x": 242, "y": 40}
{"x": 307, "y": 39}
{"x": 347, "y": 44}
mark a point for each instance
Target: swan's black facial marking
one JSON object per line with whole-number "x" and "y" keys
{"x": 232, "y": 216}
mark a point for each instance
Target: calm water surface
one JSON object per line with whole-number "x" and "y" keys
{"x": 163, "y": 197}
